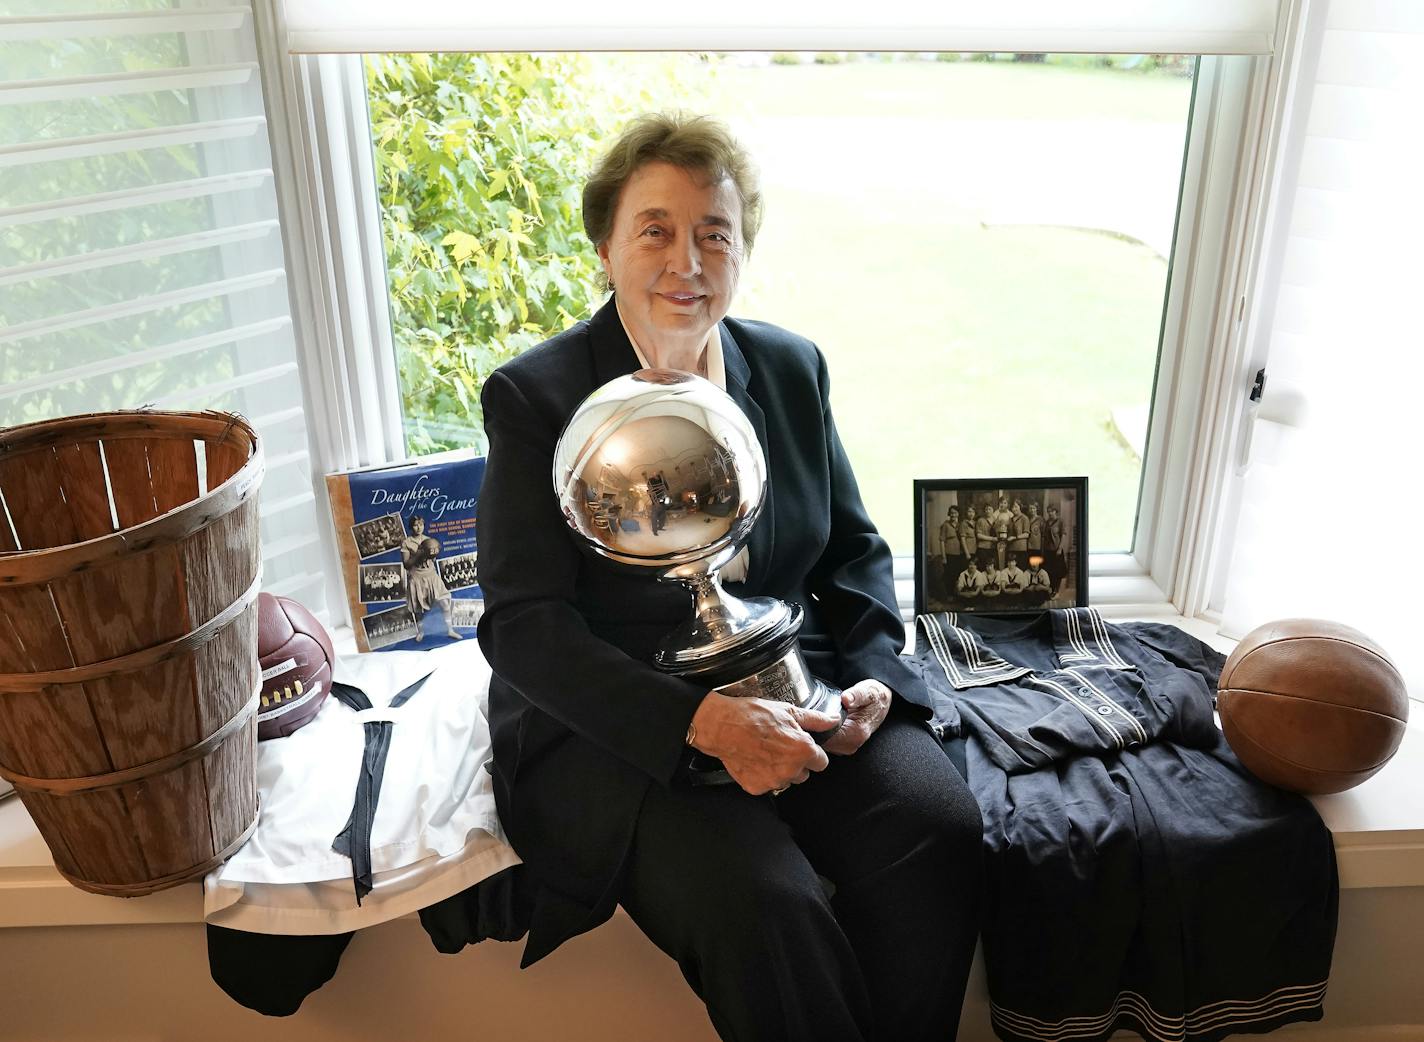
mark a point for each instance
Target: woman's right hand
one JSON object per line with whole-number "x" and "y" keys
{"x": 764, "y": 745}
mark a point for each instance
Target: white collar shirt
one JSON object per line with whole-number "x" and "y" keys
{"x": 435, "y": 833}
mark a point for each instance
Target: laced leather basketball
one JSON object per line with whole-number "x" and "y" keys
{"x": 295, "y": 654}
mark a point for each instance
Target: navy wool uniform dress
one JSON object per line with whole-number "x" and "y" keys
{"x": 1138, "y": 877}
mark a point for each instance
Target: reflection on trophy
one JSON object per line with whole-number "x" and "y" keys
{"x": 661, "y": 472}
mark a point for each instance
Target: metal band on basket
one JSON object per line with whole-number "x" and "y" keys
{"x": 190, "y": 641}
{"x": 112, "y": 780}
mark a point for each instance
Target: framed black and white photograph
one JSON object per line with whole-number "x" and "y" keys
{"x": 378, "y": 535}
{"x": 388, "y": 627}
{"x": 382, "y": 582}
{"x": 459, "y": 571}
{"x": 1000, "y": 545}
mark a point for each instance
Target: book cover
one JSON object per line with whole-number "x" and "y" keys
{"x": 409, "y": 562}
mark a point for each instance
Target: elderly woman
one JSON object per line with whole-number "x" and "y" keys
{"x": 831, "y": 893}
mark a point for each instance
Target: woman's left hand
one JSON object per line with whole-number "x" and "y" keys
{"x": 866, "y": 704}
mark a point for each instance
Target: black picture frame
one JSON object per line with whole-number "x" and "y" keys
{"x": 937, "y": 590}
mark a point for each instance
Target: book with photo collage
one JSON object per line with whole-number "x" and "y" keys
{"x": 409, "y": 563}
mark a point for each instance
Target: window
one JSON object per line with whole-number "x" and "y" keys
{"x": 1228, "y": 130}
{"x": 979, "y": 242}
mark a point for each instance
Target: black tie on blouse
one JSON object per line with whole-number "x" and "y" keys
{"x": 354, "y": 841}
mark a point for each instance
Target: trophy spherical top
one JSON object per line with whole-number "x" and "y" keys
{"x": 660, "y": 469}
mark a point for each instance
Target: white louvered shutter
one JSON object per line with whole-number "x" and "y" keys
{"x": 141, "y": 261}
{"x": 1332, "y": 515}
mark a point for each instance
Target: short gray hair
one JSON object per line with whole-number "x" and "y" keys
{"x": 699, "y": 144}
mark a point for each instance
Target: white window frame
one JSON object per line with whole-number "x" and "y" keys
{"x": 325, "y": 176}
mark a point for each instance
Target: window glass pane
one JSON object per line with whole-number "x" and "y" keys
{"x": 977, "y": 242}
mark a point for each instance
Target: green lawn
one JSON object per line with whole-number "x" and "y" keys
{"x": 978, "y": 248}
{"x": 957, "y": 349}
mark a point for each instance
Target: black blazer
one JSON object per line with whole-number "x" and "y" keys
{"x": 581, "y": 722}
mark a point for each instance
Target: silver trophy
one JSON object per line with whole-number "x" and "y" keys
{"x": 661, "y": 472}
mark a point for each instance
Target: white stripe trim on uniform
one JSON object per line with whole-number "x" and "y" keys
{"x": 1075, "y": 637}
{"x": 1083, "y": 707}
{"x": 971, "y": 667}
{"x": 1093, "y": 645}
{"x": 1117, "y": 707}
{"x": 930, "y": 627}
{"x": 1128, "y": 1009}
{"x": 1161, "y": 1027}
{"x": 1282, "y": 1000}
{"x": 1294, "y": 995}
{"x": 977, "y": 663}
{"x": 1105, "y": 644}
{"x": 974, "y": 669}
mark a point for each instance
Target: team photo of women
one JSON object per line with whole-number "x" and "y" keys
{"x": 1000, "y": 545}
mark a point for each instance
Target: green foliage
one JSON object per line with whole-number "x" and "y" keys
{"x": 480, "y": 165}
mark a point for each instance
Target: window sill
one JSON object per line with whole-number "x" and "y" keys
{"x": 1378, "y": 829}
{"x": 1115, "y": 581}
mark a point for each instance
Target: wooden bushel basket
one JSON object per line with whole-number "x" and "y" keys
{"x": 129, "y": 571}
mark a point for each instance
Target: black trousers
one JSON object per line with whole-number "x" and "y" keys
{"x": 730, "y": 885}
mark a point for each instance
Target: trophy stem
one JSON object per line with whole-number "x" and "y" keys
{"x": 710, "y": 607}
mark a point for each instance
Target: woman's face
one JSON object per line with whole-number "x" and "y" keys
{"x": 674, "y": 254}
{"x": 417, "y": 525}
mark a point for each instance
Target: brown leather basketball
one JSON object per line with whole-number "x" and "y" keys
{"x": 295, "y": 654}
{"x": 1312, "y": 705}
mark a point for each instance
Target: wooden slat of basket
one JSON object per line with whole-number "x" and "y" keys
{"x": 86, "y": 488}
{"x": 53, "y": 830}
{"x": 169, "y": 814}
{"x": 31, "y": 484}
{"x": 56, "y": 562}
{"x": 221, "y": 561}
{"x": 144, "y": 715}
{"x": 226, "y": 672}
{"x": 232, "y": 783}
{"x": 152, "y": 886}
{"x": 173, "y": 468}
{"x": 12, "y": 649}
{"x": 34, "y": 638}
{"x": 129, "y": 604}
{"x": 7, "y": 537}
{"x": 128, "y": 478}
{"x": 109, "y": 849}
{"x": 51, "y": 732}
{"x": 225, "y": 458}
{"x": 141, "y": 659}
